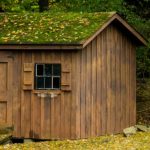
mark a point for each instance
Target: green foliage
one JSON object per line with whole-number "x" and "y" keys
{"x": 140, "y": 7}
{"x": 58, "y": 27}
{"x": 91, "y": 5}
{"x": 30, "y": 5}
{"x": 143, "y": 62}
{"x": 137, "y": 13}
{"x": 19, "y": 5}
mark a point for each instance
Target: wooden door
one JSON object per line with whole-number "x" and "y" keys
{"x": 5, "y": 91}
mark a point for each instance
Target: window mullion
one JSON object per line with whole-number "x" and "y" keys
{"x": 52, "y": 76}
{"x": 52, "y": 82}
{"x": 44, "y": 74}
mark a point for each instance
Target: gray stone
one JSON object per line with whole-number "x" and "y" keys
{"x": 142, "y": 128}
{"x": 28, "y": 140}
{"x": 129, "y": 131}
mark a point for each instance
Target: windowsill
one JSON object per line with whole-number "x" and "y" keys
{"x": 47, "y": 91}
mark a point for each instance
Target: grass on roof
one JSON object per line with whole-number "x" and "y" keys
{"x": 49, "y": 27}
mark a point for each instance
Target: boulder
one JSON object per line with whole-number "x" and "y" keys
{"x": 28, "y": 141}
{"x": 142, "y": 128}
{"x": 129, "y": 131}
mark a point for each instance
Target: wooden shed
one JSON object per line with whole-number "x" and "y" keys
{"x": 67, "y": 75}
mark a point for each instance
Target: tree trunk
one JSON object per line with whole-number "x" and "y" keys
{"x": 43, "y": 5}
{"x": 1, "y": 10}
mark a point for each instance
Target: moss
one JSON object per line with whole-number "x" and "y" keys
{"x": 50, "y": 27}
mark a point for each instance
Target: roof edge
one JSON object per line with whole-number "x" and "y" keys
{"x": 131, "y": 29}
{"x": 27, "y": 46}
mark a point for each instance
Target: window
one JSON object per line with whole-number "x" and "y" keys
{"x": 47, "y": 76}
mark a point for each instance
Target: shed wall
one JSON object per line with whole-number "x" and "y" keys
{"x": 50, "y": 118}
{"x": 35, "y": 116}
{"x": 102, "y": 98}
{"x": 108, "y": 84}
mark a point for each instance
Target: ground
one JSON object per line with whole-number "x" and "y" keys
{"x": 139, "y": 141}
{"x": 143, "y": 101}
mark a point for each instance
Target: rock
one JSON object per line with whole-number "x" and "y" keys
{"x": 142, "y": 128}
{"x": 28, "y": 140}
{"x": 5, "y": 138}
{"x": 6, "y": 129}
{"x": 129, "y": 131}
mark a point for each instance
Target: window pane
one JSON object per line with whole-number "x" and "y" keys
{"x": 56, "y": 70}
{"x": 56, "y": 82}
{"x": 39, "y": 82}
{"x": 48, "y": 70}
{"x": 48, "y": 82}
{"x": 40, "y": 70}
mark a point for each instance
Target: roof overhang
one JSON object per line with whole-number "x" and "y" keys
{"x": 41, "y": 46}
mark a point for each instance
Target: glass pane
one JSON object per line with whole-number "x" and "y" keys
{"x": 56, "y": 82}
{"x": 39, "y": 82}
{"x": 48, "y": 70}
{"x": 40, "y": 70}
{"x": 48, "y": 82}
{"x": 56, "y": 70}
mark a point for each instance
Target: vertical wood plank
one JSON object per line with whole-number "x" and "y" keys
{"x": 88, "y": 91}
{"x": 16, "y": 94}
{"x": 37, "y": 104}
{"x": 132, "y": 85}
{"x": 83, "y": 100}
{"x": 123, "y": 81}
{"x": 93, "y": 90}
{"x": 104, "y": 83}
{"x": 62, "y": 133}
{"x": 109, "y": 98}
{"x": 78, "y": 103}
{"x": 112, "y": 79}
{"x": 66, "y": 102}
{"x": 73, "y": 97}
{"x": 127, "y": 83}
{"x": 118, "y": 95}
{"x": 99, "y": 84}
{"x": 57, "y": 117}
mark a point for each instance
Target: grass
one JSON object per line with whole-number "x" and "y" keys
{"x": 139, "y": 141}
{"x": 49, "y": 27}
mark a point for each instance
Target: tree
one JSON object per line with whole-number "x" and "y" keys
{"x": 43, "y": 5}
{"x": 4, "y": 4}
{"x": 140, "y": 7}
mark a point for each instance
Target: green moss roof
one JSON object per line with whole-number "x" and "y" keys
{"x": 48, "y": 27}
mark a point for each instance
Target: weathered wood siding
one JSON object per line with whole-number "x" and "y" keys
{"x": 31, "y": 115}
{"x": 101, "y": 96}
{"x": 49, "y": 118}
{"x": 108, "y": 84}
